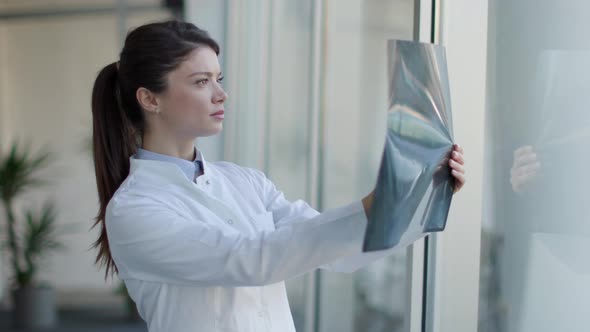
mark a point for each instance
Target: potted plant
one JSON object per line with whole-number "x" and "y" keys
{"x": 131, "y": 308}
{"x": 28, "y": 236}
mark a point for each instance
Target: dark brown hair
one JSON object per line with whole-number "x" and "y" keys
{"x": 150, "y": 52}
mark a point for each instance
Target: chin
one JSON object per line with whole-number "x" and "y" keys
{"x": 213, "y": 130}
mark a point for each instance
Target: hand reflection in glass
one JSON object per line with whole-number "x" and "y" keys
{"x": 525, "y": 168}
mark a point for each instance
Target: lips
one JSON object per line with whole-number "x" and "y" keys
{"x": 218, "y": 115}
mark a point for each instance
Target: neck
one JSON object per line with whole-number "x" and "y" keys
{"x": 184, "y": 149}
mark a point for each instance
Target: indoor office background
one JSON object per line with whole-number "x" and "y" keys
{"x": 308, "y": 96}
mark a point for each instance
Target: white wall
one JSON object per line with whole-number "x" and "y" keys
{"x": 47, "y": 70}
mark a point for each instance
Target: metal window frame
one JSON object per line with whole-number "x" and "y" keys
{"x": 424, "y": 27}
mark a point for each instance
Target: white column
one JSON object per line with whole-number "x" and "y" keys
{"x": 454, "y": 254}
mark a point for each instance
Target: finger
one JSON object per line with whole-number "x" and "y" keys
{"x": 519, "y": 183}
{"x": 522, "y": 178}
{"x": 456, "y": 166}
{"x": 459, "y": 180}
{"x": 526, "y": 159}
{"x": 458, "y": 157}
{"x": 533, "y": 168}
{"x": 458, "y": 148}
{"x": 520, "y": 171}
{"x": 458, "y": 176}
{"x": 524, "y": 172}
{"x": 522, "y": 150}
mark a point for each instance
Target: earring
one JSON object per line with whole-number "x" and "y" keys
{"x": 157, "y": 110}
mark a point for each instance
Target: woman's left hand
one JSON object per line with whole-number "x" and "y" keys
{"x": 457, "y": 164}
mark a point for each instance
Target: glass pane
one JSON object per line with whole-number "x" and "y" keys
{"x": 535, "y": 274}
{"x": 288, "y": 141}
{"x": 373, "y": 299}
{"x": 268, "y": 78}
{"x": 289, "y": 94}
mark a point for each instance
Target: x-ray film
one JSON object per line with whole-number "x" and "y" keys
{"x": 414, "y": 185}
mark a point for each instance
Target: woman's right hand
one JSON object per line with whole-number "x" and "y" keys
{"x": 525, "y": 167}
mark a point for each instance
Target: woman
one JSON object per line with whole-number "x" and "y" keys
{"x": 200, "y": 246}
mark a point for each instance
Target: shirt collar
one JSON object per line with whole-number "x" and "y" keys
{"x": 189, "y": 168}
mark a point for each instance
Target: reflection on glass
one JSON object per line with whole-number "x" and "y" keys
{"x": 379, "y": 290}
{"x": 414, "y": 187}
{"x": 535, "y": 272}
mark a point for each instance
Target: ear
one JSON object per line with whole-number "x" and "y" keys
{"x": 147, "y": 100}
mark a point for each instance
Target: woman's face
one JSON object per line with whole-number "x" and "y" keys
{"x": 192, "y": 104}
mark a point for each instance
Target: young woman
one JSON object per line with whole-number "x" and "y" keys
{"x": 200, "y": 246}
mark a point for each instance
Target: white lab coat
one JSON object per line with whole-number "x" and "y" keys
{"x": 213, "y": 255}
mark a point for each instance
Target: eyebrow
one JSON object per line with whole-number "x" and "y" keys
{"x": 207, "y": 73}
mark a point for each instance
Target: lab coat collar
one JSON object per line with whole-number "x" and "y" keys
{"x": 191, "y": 168}
{"x": 164, "y": 171}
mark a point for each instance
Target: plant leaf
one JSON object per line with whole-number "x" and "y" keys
{"x": 40, "y": 235}
{"x": 18, "y": 170}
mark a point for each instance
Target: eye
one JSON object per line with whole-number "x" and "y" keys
{"x": 202, "y": 82}
{"x": 220, "y": 79}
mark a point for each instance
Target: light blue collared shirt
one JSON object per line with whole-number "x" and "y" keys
{"x": 191, "y": 169}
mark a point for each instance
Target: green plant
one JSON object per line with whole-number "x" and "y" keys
{"x": 129, "y": 303}
{"x": 37, "y": 235}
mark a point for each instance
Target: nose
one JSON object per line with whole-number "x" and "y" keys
{"x": 220, "y": 95}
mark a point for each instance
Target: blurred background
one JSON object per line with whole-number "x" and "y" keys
{"x": 308, "y": 97}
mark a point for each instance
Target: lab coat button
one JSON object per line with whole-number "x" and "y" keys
{"x": 229, "y": 221}
{"x": 208, "y": 182}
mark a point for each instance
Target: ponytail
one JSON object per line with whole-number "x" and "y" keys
{"x": 114, "y": 140}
